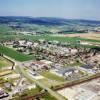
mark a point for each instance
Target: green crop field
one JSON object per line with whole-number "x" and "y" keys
{"x": 53, "y": 76}
{"x": 14, "y": 54}
{"x": 4, "y": 29}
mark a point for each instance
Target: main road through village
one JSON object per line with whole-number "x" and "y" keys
{"x": 25, "y": 74}
{"x": 20, "y": 68}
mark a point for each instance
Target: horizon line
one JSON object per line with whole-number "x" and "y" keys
{"x": 50, "y": 17}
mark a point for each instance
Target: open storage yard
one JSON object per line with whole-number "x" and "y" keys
{"x": 86, "y": 91}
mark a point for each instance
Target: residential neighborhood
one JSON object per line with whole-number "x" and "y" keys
{"x": 54, "y": 65}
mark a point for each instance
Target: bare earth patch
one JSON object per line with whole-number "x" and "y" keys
{"x": 91, "y": 35}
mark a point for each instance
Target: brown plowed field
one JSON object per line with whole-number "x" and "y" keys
{"x": 95, "y": 36}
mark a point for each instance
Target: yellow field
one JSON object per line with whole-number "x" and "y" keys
{"x": 91, "y": 35}
{"x": 5, "y": 72}
{"x": 4, "y": 62}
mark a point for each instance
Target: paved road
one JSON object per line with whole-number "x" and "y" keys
{"x": 53, "y": 93}
{"x": 25, "y": 74}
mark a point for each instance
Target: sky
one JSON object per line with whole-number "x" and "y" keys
{"x": 73, "y": 9}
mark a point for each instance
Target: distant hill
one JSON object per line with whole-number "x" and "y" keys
{"x": 47, "y": 21}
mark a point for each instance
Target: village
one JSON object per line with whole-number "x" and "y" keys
{"x": 49, "y": 50}
{"x": 55, "y": 64}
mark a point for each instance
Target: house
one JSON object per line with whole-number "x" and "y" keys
{"x": 10, "y": 43}
{"x": 87, "y": 68}
{"x": 47, "y": 62}
{"x": 74, "y": 51}
{"x": 56, "y": 66}
{"x": 38, "y": 65}
{"x": 65, "y": 71}
{"x": 29, "y": 43}
{"x": 22, "y": 42}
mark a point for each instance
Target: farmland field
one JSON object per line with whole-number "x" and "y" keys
{"x": 71, "y": 38}
{"x": 14, "y": 54}
{"x": 91, "y": 35}
{"x": 62, "y": 38}
{"x": 53, "y": 76}
{"x": 4, "y": 62}
{"x": 57, "y": 38}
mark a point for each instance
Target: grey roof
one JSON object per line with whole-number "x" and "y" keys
{"x": 88, "y": 66}
{"x": 63, "y": 71}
